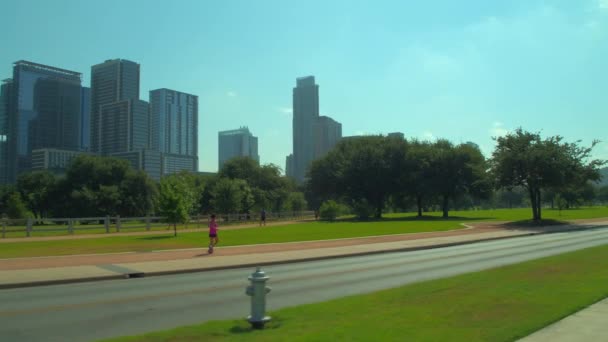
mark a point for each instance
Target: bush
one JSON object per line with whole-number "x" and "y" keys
{"x": 329, "y": 210}
{"x": 363, "y": 209}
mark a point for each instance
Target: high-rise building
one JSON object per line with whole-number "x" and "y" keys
{"x": 174, "y": 128}
{"x": 4, "y": 98}
{"x": 40, "y": 94}
{"x": 174, "y": 163}
{"x": 313, "y": 135}
{"x": 327, "y": 134}
{"x": 54, "y": 160}
{"x": 305, "y": 113}
{"x": 58, "y": 121}
{"x": 112, "y": 81}
{"x": 143, "y": 159}
{"x": 85, "y": 119}
{"x": 237, "y": 143}
{"x": 124, "y": 127}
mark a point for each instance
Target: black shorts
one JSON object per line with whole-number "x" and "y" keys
{"x": 212, "y": 235}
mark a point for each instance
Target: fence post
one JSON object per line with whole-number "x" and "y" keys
{"x": 28, "y": 227}
{"x": 106, "y": 223}
{"x": 118, "y": 223}
{"x": 3, "y": 229}
{"x": 70, "y": 226}
{"x": 148, "y": 222}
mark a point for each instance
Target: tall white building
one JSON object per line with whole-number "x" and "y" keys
{"x": 174, "y": 129}
{"x": 237, "y": 143}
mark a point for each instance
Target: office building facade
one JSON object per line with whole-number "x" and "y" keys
{"x": 112, "y": 81}
{"x": 85, "y": 119}
{"x": 124, "y": 127}
{"x": 5, "y": 89}
{"x": 174, "y": 122}
{"x": 54, "y": 160}
{"x": 237, "y": 143}
{"x": 143, "y": 159}
{"x": 42, "y": 109}
{"x": 313, "y": 135}
{"x": 328, "y": 133}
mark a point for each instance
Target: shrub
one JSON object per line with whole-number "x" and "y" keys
{"x": 363, "y": 209}
{"x": 329, "y": 210}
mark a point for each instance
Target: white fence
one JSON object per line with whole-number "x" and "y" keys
{"x": 116, "y": 224}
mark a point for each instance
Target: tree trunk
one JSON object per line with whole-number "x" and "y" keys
{"x": 445, "y": 206}
{"x": 174, "y": 229}
{"x": 539, "y": 206}
{"x": 419, "y": 203}
{"x": 534, "y": 203}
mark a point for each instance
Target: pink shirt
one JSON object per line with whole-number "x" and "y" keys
{"x": 212, "y": 227}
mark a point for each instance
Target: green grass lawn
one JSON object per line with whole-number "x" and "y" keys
{"x": 390, "y": 224}
{"x": 502, "y": 304}
{"x": 271, "y": 234}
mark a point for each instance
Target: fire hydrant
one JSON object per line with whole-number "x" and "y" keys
{"x": 258, "y": 290}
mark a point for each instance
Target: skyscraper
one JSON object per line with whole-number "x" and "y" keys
{"x": 305, "y": 113}
{"x": 85, "y": 119}
{"x": 124, "y": 126}
{"x": 174, "y": 129}
{"x": 111, "y": 81}
{"x": 174, "y": 122}
{"x": 237, "y": 143}
{"x": 58, "y": 121}
{"x": 327, "y": 134}
{"x": 40, "y": 94}
{"x": 4, "y": 98}
{"x": 313, "y": 135}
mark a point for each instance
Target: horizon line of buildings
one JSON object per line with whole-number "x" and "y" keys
{"x": 47, "y": 117}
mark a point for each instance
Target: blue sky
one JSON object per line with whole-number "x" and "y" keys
{"x": 461, "y": 70}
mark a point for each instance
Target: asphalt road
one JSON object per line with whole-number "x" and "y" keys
{"x": 91, "y": 311}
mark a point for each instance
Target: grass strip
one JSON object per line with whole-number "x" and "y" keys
{"x": 309, "y": 231}
{"x": 502, "y": 304}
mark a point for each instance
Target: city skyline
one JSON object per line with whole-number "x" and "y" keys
{"x": 464, "y": 72}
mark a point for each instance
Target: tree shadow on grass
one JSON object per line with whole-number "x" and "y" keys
{"x": 547, "y": 225}
{"x": 156, "y": 237}
{"x": 418, "y": 219}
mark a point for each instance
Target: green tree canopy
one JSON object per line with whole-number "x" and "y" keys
{"x": 525, "y": 159}
{"x": 35, "y": 188}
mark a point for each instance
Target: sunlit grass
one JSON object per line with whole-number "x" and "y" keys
{"x": 502, "y": 304}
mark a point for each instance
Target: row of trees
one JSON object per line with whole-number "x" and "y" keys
{"x": 98, "y": 186}
{"x": 373, "y": 172}
{"x": 367, "y": 174}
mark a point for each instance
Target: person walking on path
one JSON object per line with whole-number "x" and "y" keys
{"x": 213, "y": 239}
{"x": 263, "y": 217}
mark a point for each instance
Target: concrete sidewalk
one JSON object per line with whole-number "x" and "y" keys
{"x": 22, "y": 272}
{"x": 588, "y": 324}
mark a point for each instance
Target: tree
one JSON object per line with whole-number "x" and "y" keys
{"x": 35, "y": 188}
{"x": 296, "y": 201}
{"x": 15, "y": 208}
{"x": 416, "y": 182}
{"x": 602, "y": 194}
{"x": 456, "y": 171}
{"x": 227, "y": 196}
{"x": 357, "y": 170}
{"x": 175, "y": 201}
{"x": 138, "y": 192}
{"x": 329, "y": 210}
{"x": 525, "y": 159}
{"x": 268, "y": 188}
